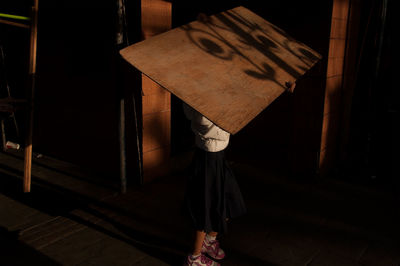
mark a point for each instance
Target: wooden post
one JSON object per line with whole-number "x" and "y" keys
{"x": 32, "y": 72}
{"x": 156, "y": 18}
{"x": 333, "y": 105}
{"x": 16, "y": 24}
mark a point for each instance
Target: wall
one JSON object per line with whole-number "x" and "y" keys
{"x": 76, "y": 113}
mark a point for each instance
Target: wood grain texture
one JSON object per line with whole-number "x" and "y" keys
{"x": 156, "y": 101}
{"x": 32, "y": 72}
{"x": 229, "y": 67}
{"x": 156, "y": 130}
{"x": 156, "y": 17}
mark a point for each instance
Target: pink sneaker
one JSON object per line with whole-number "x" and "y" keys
{"x": 200, "y": 260}
{"x": 212, "y": 249}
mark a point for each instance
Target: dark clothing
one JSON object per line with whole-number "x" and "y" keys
{"x": 212, "y": 194}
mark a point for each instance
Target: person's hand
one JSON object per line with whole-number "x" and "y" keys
{"x": 290, "y": 86}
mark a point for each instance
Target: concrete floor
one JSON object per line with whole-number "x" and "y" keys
{"x": 68, "y": 219}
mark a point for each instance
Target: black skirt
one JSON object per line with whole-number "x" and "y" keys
{"x": 212, "y": 193}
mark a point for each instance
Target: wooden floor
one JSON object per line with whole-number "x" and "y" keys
{"x": 71, "y": 219}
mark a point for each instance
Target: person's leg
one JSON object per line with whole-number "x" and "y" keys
{"x": 198, "y": 242}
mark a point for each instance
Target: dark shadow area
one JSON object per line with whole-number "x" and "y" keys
{"x": 70, "y": 170}
{"x": 20, "y": 7}
{"x": 132, "y": 93}
{"x": 152, "y": 244}
{"x": 320, "y": 205}
{"x": 11, "y": 187}
{"x": 310, "y": 217}
{"x": 14, "y": 80}
{"x": 76, "y": 108}
{"x": 63, "y": 200}
{"x": 370, "y": 154}
{"x": 57, "y": 201}
{"x": 78, "y": 88}
{"x": 235, "y": 257}
{"x": 14, "y": 252}
{"x": 282, "y": 214}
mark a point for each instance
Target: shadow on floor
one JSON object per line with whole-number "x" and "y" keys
{"x": 14, "y": 252}
{"x": 288, "y": 222}
{"x": 55, "y": 201}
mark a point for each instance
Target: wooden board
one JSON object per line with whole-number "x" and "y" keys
{"x": 229, "y": 67}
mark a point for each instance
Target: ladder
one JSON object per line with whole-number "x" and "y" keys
{"x": 8, "y": 103}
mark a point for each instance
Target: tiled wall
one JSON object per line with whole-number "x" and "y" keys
{"x": 156, "y": 101}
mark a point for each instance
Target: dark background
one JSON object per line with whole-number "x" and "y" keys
{"x": 79, "y": 74}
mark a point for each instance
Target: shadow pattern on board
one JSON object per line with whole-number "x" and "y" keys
{"x": 251, "y": 36}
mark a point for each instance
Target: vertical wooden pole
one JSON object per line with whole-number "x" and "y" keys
{"x": 156, "y": 104}
{"x": 32, "y": 72}
{"x": 121, "y": 40}
{"x": 333, "y": 105}
{"x": 3, "y": 135}
{"x": 122, "y": 150}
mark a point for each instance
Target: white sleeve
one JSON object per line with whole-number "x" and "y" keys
{"x": 213, "y": 131}
{"x": 221, "y": 134}
{"x": 203, "y": 126}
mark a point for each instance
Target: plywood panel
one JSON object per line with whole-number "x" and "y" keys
{"x": 229, "y": 66}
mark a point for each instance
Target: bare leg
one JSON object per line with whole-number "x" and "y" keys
{"x": 198, "y": 242}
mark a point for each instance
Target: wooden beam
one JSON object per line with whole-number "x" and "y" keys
{"x": 156, "y": 105}
{"x": 12, "y": 23}
{"x": 32, "y": 72}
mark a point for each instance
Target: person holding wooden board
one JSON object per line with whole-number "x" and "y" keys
{"x": 212, "y": 195}
{"x": 227, "y": 68}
